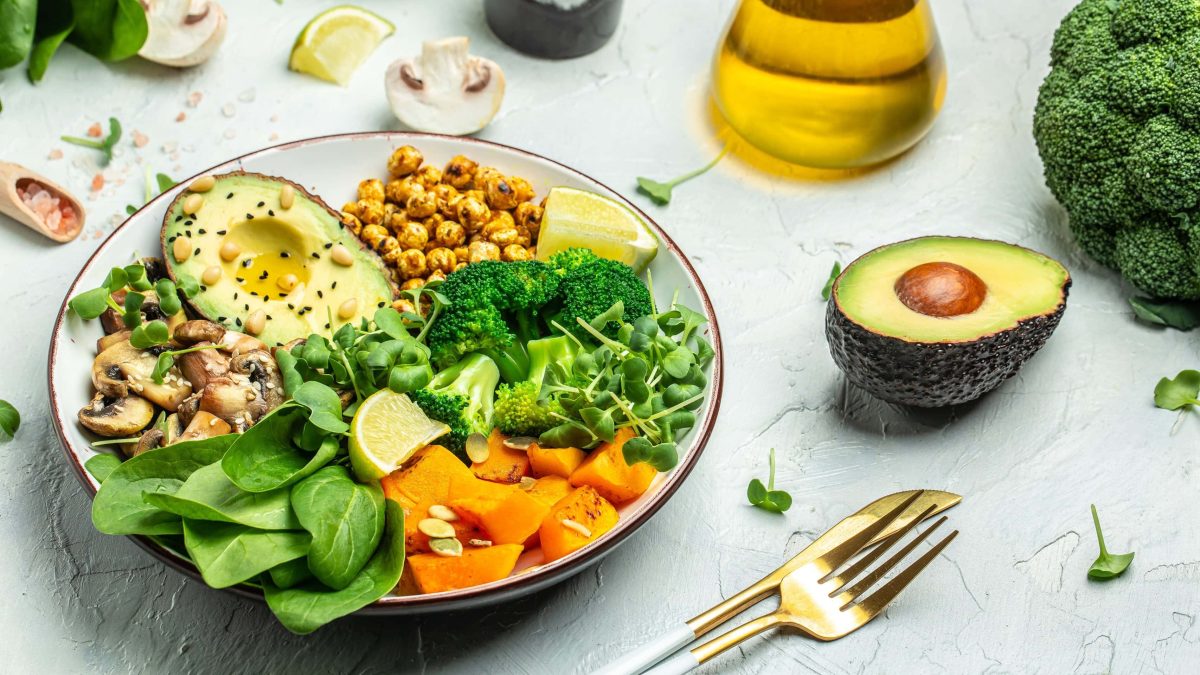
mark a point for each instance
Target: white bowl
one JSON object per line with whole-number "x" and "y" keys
{"x": 331, "y": 168}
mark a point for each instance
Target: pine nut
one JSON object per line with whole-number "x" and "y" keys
{"x": 182, "y": 249}
{"x": 211, "y": 275}
{"x": 348, "y": 308}
{"x": 287, "y": 282}
{"x": 287, "y": 195}
{"x": 229, "y": 251}
{"x": 341, "y": 255}
{"x": 256, "y": 322}
{"x": 192, "y": 204}
{"x": 203, "y": 184}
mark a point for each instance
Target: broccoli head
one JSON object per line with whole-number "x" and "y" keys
{"x": 591, "y": 285}
{"x": 1117, "y": 125}
{"x": 461, "y": 396}
{"x": 518, "y": 410}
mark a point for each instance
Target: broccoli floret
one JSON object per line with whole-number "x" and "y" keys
{"x": 518, "y": 410}
{"x": 461, "y": 396}
{"x": 591, "y": 285}
{"x": 1117, "y": 125}
{"x": 462, "y": 329}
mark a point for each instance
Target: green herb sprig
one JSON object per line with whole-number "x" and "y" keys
{"x": 827, "y": 289}
{"x": 1107, "y": 565}
{"x": 104, "y": 145}
{"x": 766, "y": 497}
{"x": 660, "y": 193}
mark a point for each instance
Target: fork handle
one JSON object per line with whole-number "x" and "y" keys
{"x": 650, "y": 653}
{"x": 686, "y": 660}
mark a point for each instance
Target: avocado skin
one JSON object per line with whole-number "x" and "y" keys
{"x": 934, "y": 374}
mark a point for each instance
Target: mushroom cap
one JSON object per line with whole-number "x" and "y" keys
{"x": 444, "y": 89}
{"x": 182, "y": 32}
{"x": 115, "y": 417}
{"x": 122, "y": 367}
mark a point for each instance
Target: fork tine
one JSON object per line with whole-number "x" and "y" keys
{"x": 878, "y": 573}
{"x": 863, "y": 563}
{"x": 838, "y": 555}
{"x": 875, "y": 603}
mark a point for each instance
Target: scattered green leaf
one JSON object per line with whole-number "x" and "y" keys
{"x": 1107, "y": 565}
{"x": 767, "y": 497}
{"x": 660, "y": 193}
{"x": 104, "y": 145}
{"x": 1177, "y": 314}
{"x": 10, "y": 419}
{"x": 1178, "y": 393}
{"x": 827, "y": 289}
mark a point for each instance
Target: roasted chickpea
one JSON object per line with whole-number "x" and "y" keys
{"x": 373, "y": 235}
{"x": 392, "y": 260}
{"x": 371, "y": 189}
{"x": 421, "y": 205}
{"x": 370, "y": 212}
{"x": 461, "y": 254}
{"x": 450, "y": 234}
{"x": 473, "y": 213}
{"x": 396, "y": 222}
{"x": 444, "y": 194}
{"x": 521, "y": 188}
{"x": 532, "y": 250}
{"x": 400, "y": 190}
{"x": 482, "y": 250}
{"x": 513, "y": 253}
{"x": 404, "y": 305}
{"x": 389, "y": 210}
{"x": 524, "y": 239}
{"x": 528, "y": 215}
{"x": 475, "y": 236}
{"x": 441, "y": 259}
{"x": 500, "y": 194}
{"x": 412, "y": 284}
{"x": 404, "y": 160}
{"x": 413, "y": 235}
{"x": 502, "y": 219}
{"x": 436, "y": 275}
{"x": 477, "y": 194}
{"x": 504, "y": 237}
{"x": 411, "y": 264}
{"x": 351, "y": 208}
{"x": 387, "y": 245}
{"x": 460, "y": 172}
{"x": 429, "y": 176}
{"x": 449, "y": 208}
{"x": 432, "y": 223}
{"x": 352, "y": 223}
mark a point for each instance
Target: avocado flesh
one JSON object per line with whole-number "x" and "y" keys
{"x": 906, "y": 357}
{"x": 277, "y": 242}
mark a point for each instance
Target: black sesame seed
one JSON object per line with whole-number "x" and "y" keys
{"x": 284, "y": 254}
{"x": 235, "y": 296}
{"x": 247, "y": 308}
{"x": 197, "y": 251}
{"x": 300, "y": 313}
{"x": 329, "y": 244}
{"x": 187, "y": 232}
{"x": 307, "y": 308}
{"x": 270, "y": 213}
{"x": 202, "y": 231}
{"x": 320, "y": 294}
{"x": 178, "y": 218}
{"x": 381, "y": 303}
{"x": 222, "y": 232}
{"x": 254, "y": 293}
{"x": 238, "y": 321}
{"x": 268, "y": 319}
{"x": 327, "y": 326}
{"x": 249, "y": 216}
{"x": 221, "y": 319}
{"x": 188, "y": 223}
{"x": 203, "y": 288}
{"x": 316, "y": 256}
{"x": 171, "y": 238}
{"x": 240, "y": 280}
{"x": 291, "y": 306}
{"x": 266, "y": 297}
{"x": 229, "y": 196}
{"x": 247, "y": 262}
{"x": 261, "y": 204}
{"x": 333, "y": 285}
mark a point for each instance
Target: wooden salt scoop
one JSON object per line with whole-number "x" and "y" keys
{"x": 13, "y": 176}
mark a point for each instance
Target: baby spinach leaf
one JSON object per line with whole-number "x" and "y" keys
{"x": 110, "y": 30}
{"x": 827, "y": 289}
{"x": 1177, "y": 314}
{"x": 228, "y": 554}
{"x": 17, "y": 18}
{"x": 1178, "y": 393}
{"x": 325, "y": 408}
{"x": 305, "y": 608}
{"x": 55, "y": 21}
{"x": 345, "y": 520}
{"x": 119, "y": 507}
{"x": 10, "y": 419}
{"x": 102, "y": 465}
{"x": 264, "y": 458}
{"x": 1107, "y": 565}
{"x": 208, "y": 494}
{"x": 290, "y": 573}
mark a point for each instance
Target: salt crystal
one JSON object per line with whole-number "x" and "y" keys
{"x": 55, "y": 154}
{"x": 230, "y": 133}
{"x": 139, "y": 139}
{"x": 228, "y": 110}
{"x": 97, "y": 182}
{"x": 193, "y": 99}
{"x": 95, "y": 131}
{"x": 246, "y": 96}
{"x": 181, "y": 116}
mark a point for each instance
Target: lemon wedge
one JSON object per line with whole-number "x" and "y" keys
{"x": 334, "y": 44}
{"x": 578, "y": 218}
{"x": 386, "y": 430}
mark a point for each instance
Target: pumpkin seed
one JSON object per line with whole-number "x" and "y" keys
{"x": 521, "y": 443}
{"x": 480, "y": 542}
{"x": 576, "y": 528}
{"x": 448, "y": 547}
{"x": 443, "y": 513}
{"x": 477, "y": 448}
{"x": 436, "y": 528}
{"x": 527, "y": 483}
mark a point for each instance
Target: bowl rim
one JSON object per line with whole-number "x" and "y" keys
{"x": 539, "y": 577}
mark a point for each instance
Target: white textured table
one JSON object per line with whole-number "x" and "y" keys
{"x": 1010, "y": 596}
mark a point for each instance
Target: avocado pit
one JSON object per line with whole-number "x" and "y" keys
{"x": 941, "y": 289}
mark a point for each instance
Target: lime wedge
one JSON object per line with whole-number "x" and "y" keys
{"x": 337, "y": 41}
{"x": 577, "y": 218}
{"x": 386, "y": 430}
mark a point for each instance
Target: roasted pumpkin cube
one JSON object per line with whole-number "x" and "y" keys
{"x": 423, "y": 481}
{"x": 554, "y": 461}
{"x": 504, "y": 464}
{"x": 506, "y": 513}
{"x": 550, "y": 489}
{"x": 434, "y": 573}
{"x": 606, "y": 471}
{"x": 575, "y": 521}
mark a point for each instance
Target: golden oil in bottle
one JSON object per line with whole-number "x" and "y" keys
{"x": 831, "y": 83}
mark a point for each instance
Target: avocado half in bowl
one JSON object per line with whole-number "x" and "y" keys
{"x": 939, "y": 321}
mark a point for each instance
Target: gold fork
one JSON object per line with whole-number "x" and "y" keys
{"x": 825, "y": 604}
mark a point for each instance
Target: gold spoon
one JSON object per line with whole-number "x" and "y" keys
{"x": 13, "y": 176}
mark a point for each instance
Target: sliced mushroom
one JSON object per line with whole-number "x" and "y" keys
{"x": 188, "y": 409}
{"x": 445, "y": 89}
{"x": 204, "y": 425}
{"x": 151, "y": 440}
{"x": 151, "y": 310}
{"x": 197, "y": 331}
{"x": 116, "y": 416}
{"x": 260, "y": 369}
{"x": 182, "y": 32}
{"x": 175, "y": 427}
{"x": 201, "y": 366}
{"x": 122, "y": 367}
{"x": 233, "y": 399}
{"x": 110, "y": 340}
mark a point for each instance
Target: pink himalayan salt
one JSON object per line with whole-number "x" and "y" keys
{"x": 55, "y": 154}
{"x": 97, "y": 182}
{"x": 139, "y": 139}
{"x": 59, "y": 217}
{"x": 95, "y": 131}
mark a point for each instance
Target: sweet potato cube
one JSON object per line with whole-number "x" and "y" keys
{"x": 563, "y": 529}
{"x": 504, "y": 464}
{"x": 554, "y": 461}
{"x": 434, "y": 573}
{"x": 506, "y": 513}
{"x": 605, "y": 469}
{"x": 423, "y": 481}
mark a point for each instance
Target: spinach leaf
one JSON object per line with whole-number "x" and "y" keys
{"x": 110, "y": 30}
{"x": 208, "y": 494}
{"x": 55, "y": 21}
{"x": 325, "y": 408}
{"x": 305, "y": 608}
{"x": 17, "y": 18}
{"x": 10, "y": 419}
{"x": 228, "y": 554}
{"x": 1177, "y": 314}
{"x": 119, "y": 507}
{"x": 264, "y": 458}
{"x": 102, "y": 465}
{"x": 290, "y": 573}
{"x": 345, "y": 520}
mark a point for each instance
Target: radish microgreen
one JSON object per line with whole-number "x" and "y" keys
{"x": 660, "y": 193}
{"x": 766, "y": 497}
{"x": 1178, "y": 393}
{"x": 104, "y": 145}
{"x": 1107, "y": 565}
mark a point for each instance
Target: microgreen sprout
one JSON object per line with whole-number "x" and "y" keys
{"x": 1179, "y": 393}
{"x": 1107, "y": 565}
{"x": 660, "y": 193}
{"x": 104, "y": 145}
{"x": 827, "y": 289}
{"x": 166, "y": 360}
{"x": 767, "y": 497}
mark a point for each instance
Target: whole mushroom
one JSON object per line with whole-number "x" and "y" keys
{"x": 122, "y": 368}
{"x": 445, "y": 89}
{"x": 116, "y": 416}
{"x": 182, "y": 32}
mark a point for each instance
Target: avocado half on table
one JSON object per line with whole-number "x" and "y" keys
{"x": 939, "y": 321}
{"x": 270, "y": 259}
